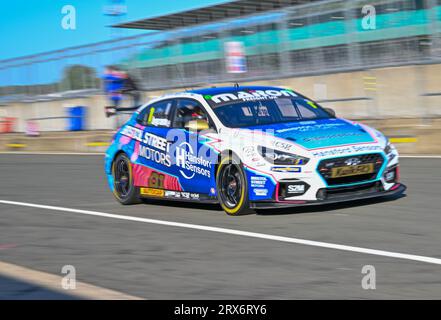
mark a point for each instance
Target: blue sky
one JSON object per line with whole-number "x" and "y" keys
{"x": 34, "y": 26}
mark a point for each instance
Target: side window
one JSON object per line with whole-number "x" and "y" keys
{"x": 157, "y": 114}
{"x": 190, "y": 111}
{"x": 307, "y": 112}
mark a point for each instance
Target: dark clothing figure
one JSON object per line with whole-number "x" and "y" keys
{"x": 130, "y": 88}
{"x": 113, "y": 85}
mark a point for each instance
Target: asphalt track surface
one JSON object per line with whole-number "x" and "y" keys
{"x": 154, "y": 261}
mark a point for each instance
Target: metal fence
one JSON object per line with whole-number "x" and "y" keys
{"x": 314, "y": 38}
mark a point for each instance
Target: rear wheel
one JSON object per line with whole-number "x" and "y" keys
{"x": 123, "y": 188}
{"x": 232, "y": 187}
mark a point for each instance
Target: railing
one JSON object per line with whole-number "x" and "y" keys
{"x": 316, "y": 38}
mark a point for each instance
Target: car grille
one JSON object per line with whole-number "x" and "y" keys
{"x": 325, "y": 168}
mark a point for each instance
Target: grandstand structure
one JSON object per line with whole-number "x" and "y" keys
{"x": 281, "y": 39}
{"x": 287, "y": 38}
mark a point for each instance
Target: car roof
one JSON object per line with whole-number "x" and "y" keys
{"x": 222, "y": 90}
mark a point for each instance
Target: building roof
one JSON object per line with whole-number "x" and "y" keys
{"x": 232, "y": 9}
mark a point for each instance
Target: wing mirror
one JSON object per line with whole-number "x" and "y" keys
{"x": 331, "y": 112}
{"x": 197, "y": 125}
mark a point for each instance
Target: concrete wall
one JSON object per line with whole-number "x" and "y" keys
{"x": 387, "y": 93}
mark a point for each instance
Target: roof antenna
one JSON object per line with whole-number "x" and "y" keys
{"x": 236, "y": 85}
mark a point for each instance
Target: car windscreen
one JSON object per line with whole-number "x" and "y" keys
{"x": 272, "y": 111}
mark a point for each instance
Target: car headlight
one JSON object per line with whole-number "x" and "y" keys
{"x": 281, "y": 158}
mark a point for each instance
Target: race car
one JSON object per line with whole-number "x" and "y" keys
{"x": 247, "y": 148}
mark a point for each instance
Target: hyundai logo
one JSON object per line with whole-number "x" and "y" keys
{"x": 352, "y": 161}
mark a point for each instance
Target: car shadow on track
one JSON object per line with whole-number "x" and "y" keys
{"x": 183, "y": 204}
{"x": 329, "y": 207}
{"x": 277, "y": 211}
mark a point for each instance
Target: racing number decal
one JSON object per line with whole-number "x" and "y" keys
{"x": 156, "y": 180}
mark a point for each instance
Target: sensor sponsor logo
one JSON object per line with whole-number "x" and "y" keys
{"x": 187, "y": 160}
{"x": 346, "y": 150}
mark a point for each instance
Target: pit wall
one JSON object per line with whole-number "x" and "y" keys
{"x": 384, "y": 93}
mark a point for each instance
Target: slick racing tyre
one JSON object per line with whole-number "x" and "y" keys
{"x": 123, "y": 188}
{"x": 232, "y": 187}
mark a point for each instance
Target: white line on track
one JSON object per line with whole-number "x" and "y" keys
{"x": 383, "y": 253}
{"x": 421, "y": 156}
{"x": 53, "y": 282}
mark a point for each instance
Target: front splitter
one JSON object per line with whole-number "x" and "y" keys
{"x": 299, "y": 203}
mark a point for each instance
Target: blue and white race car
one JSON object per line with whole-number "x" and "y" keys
{"x": 248, "y": 148}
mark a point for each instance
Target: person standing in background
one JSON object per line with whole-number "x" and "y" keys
{"x": 130, "y": 88}
{"x": 113, "y": 81}
{"x": 113, "y": 85}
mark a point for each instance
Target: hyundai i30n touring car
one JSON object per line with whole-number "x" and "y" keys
{"x": 248, "y": 148}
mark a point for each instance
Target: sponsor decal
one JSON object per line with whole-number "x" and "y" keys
{"x": 194, "y": 196}
{"x": 179, "y": 195}
{"x": 152, "y": 192}
{"x": 251, "y": 154}
{"x": 132, "y": 132}
{"x": 345, "y": 150}
{"x": 260, "y": 192}
{"x": 212, "y": 191}
{"x": 281, "y": 145}
{"x": 311, "y": 126}
{"x": 186, "y": 159}
{"x": 156, "y": 180}
{"x": 185, "y": 195}
{"x": 334, "y": 136}
{"x": 160, "y": 122}
{"x": 286, "y": 169}
{"x": 249, "y": 151}
{"x": 250, "y": 95}
{"x": 154, "y": 155}
{"x": 152, "y": 147}
{"x": 390, "y": 176}
{"x": 172, "y": 194}
{"x": 258, "y": 182}
{"x": 296, "y": 188}
{"x": 352, "y": 170}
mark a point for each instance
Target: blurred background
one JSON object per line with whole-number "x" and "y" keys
{"x": 374, "y": 61}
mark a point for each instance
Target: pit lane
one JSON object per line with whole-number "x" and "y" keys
{"x": 167, "y": 262}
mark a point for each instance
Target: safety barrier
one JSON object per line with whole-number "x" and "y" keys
{"x": 7, "y": 124}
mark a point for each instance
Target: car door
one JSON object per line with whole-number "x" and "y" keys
{"x": 193, "y": 158}
{"x": 153, "y": 168}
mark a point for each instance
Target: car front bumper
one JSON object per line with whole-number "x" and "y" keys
{"x": 350, "y": 196}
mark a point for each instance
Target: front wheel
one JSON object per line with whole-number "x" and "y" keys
{"x": 232, "y": 187}
{"x": 123, "y": 188}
